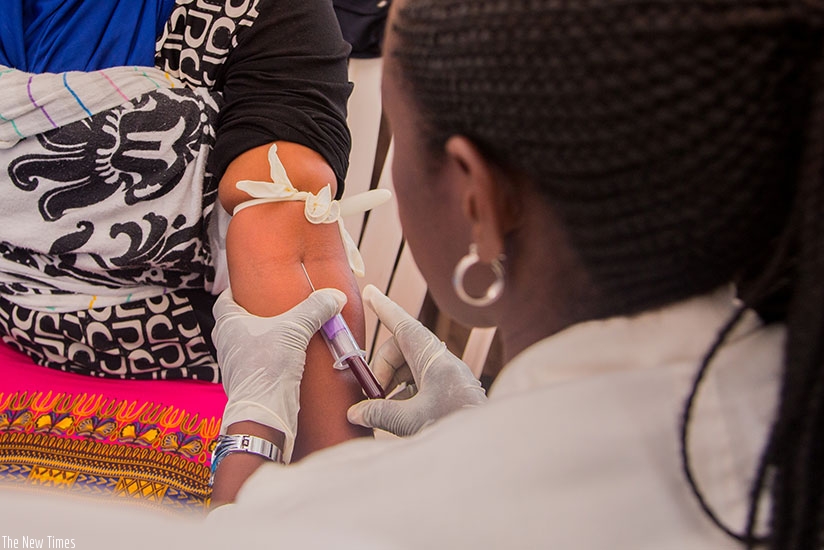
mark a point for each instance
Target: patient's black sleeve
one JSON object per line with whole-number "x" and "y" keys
{"x": 286, "y": 80}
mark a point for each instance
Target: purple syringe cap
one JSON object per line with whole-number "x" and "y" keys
{"x": 333, "y": 326}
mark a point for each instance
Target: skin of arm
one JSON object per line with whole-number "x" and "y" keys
{"x": 265, "y": 247}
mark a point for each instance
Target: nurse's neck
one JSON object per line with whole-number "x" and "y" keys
{"x": 547, "y": 289}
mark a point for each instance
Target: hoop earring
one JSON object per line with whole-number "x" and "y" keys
{"x": 495, "y": 289}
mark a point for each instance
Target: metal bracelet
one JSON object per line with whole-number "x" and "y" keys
{"x": 242, "y": 443}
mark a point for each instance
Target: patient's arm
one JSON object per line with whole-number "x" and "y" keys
{"x": 266, "y": 245}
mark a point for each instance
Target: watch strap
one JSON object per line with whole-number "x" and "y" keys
{"x": 242, "y": 443}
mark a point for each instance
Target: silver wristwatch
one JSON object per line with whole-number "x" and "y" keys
{"x": 242, "y": 443}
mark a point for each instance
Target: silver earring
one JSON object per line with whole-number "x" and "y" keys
{"x": 495, "y": 289}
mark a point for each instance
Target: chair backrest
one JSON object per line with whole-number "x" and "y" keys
{"x": 389, "y": 262}
{"x": 364, "y": 123}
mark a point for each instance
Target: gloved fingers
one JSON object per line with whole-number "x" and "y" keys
{"x": 308, "y": 315}
{"x": 226, "y": 330}
{"x": 415, "y": 342}
{"x": 395, "y": 417}
{"x": 226, "y": 305}
{"x": 262, "y": 358}
{"x": 389, "y": 313}
{"x": 315, "y": 310}
{"x": 389, "y": 365}
{"x": 323, "y": 304}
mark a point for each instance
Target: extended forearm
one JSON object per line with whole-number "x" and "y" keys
{"x": 266, "y": 245}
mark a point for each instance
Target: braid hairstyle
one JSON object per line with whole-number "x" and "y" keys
{"x": 797, "y": 441}
{"x": 678, "y": 140}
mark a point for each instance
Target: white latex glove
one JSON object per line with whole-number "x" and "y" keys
{"x": 261, "y": 359}
{"x": 444, "y": 382}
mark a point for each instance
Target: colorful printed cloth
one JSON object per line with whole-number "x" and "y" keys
{"x": 145, "y": 442}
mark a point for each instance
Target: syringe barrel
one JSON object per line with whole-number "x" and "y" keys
{"x": 348, "y": 355}
{"x": 339, "y": 340}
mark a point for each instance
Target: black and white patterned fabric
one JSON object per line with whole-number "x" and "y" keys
{"x": 111, "y": 208}
{"x": 105, "y": 219}
{"x": 199, "y": 37}
{"x": 157, "y": 339}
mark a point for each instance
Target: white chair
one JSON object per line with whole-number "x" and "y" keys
{"x": 389, "y": 263}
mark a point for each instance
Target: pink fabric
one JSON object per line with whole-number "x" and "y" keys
{"x": 18, "y": 373}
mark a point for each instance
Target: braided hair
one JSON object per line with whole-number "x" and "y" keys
{"x": 681, "y": 142}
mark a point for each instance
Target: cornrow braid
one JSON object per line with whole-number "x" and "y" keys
{"x": 798, "y": 435}
{"x": 680, "y": 141}
{"x": 657, "y": 129}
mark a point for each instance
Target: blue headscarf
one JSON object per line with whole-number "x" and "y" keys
{"x": 82, "y": 35}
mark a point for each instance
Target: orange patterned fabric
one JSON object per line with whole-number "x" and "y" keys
{"x": 148, "y": 442}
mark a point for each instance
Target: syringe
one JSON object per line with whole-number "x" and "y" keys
{"x": 346, "y": 352}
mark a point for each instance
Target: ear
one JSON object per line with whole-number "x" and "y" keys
{"x": 486, "y": 197}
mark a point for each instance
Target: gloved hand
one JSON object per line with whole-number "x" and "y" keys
{"x": 261, "y": 359}
{"x": 444, "y": 382}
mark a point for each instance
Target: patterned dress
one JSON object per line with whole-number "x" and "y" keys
{"x": 110, "y": 246}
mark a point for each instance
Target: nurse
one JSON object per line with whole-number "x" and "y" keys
{"x": 639, "y": 184}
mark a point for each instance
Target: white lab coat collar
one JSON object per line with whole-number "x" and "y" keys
{"x": 625, "y": 343}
